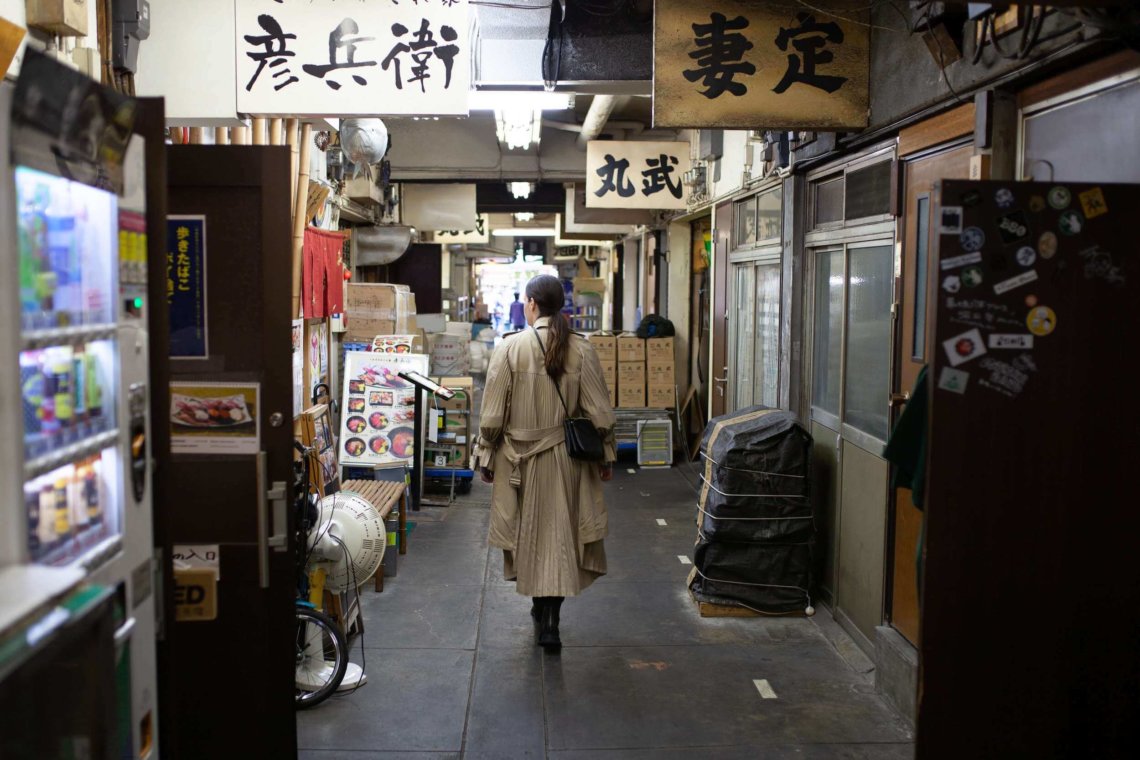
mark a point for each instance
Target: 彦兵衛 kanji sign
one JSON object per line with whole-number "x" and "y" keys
{"x": 747, "y": 65}
{"x": 349, "y": 58}
{"x": 636, "y": 174}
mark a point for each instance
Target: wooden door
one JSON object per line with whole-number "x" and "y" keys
{"x": 232, "y": 678}
{"x": 722, "y": 239}
{"x": 913, "y": 351}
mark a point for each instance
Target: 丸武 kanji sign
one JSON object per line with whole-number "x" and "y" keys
{"x": 747, "y": 65}
{"x": 350, "y": 58}
{"x": 635, "y": 174}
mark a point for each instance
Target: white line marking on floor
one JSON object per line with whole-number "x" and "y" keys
{"x": 661, "y": 522}
{"x": 764, "y": 688}
{"x": 684, "y": 560}
{"x": 632, "y": 472}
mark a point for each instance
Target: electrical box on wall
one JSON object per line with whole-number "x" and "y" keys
{"x": 66, "y": 17}
{"x": 132, "y": 25}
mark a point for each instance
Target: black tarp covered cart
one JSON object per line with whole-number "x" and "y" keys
{"x": 756, "y": 528}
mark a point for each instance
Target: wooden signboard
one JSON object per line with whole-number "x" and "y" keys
{"x": 745, "y": 65}
{"x": 636, "y": 174}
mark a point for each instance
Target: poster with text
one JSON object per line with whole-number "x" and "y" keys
{"x": 215, "y": 418}
{"x": 298, "y": 366}
{"x": 379, "y": 408}
{"x": 330, "y": 58}
{"x": 186, "y": 286}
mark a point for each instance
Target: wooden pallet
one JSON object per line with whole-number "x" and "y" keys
{"x": 711, "y": 610}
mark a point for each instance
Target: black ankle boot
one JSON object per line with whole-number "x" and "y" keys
{"x": 536, "y": 614}
{"x": 548, "y": 636}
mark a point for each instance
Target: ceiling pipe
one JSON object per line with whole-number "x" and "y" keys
{"x": 600, "y": 109}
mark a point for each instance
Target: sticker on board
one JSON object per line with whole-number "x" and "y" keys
{"x": 1060, "y": 198}
{"x": 1004, "y": 198}
{"x": 1092, "y": 202}
{"x": 972, "y": 239}
{"x": 953, "y": 380}
{"x": 951, "y": 220}
{"x": 1041, "y": 321}
{"x": 1013, "y": 227}
{"x": 1071, "y": 223}
{"x": 1026, "y": 256}
{"x": 1010, "y": 341}
{"x": 972, "y": 277}
{"x": 962, "y": 348}
{"x": 1015, "y": 282}
{"x": 1047, "y": 245}
{"x": 951, "y": 283}
{"x": 960, "y": 261}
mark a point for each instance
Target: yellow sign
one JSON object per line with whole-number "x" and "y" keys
{"x": 743, "y": 65}
{"x": 195, "y": 595}
{"x": 1092, "y": 201}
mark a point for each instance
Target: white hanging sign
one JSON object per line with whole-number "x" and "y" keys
{"x": 480, "y": 232}
{"x": 636, "y": 174}
{"x": 348, "y": 58}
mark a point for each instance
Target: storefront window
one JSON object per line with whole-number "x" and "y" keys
{"x": 828, "y": 331}
{"x": 869, "y": 339}
{"x": 767, "y": 362}
{"x": 745, "y": 213}
{"x": 769, "y": 214}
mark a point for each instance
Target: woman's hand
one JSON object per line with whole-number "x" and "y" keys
{"x": 486, "y": 475}
{"x": 606, "y": 472}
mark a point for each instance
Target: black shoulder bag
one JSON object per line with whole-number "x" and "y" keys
{"x": 582, "y": 439}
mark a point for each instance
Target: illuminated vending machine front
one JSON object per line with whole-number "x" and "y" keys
{"x": 79, "y": 250}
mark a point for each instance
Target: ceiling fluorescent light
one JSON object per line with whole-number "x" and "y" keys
{"x": 521, "y": 190}
{"x": 508, "y": 100}
{"x": 518, "y": 128}
{"x": 523, "y": 232}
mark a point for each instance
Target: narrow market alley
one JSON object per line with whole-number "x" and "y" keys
{"x": 453, "y": 670}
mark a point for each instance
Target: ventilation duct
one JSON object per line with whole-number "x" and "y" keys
{"x": 378, "y": 245}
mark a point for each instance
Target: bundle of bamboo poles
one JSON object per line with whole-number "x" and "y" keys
{"x": 299, "y": 138}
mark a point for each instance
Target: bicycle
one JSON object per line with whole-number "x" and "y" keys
{"x": 321, "y": 647}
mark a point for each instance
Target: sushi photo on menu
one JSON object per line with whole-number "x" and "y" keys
{"x": 211, "y": 418}
{"x": 379, "y": 424}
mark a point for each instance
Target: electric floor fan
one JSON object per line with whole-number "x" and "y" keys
{"x": 347, "y": 541}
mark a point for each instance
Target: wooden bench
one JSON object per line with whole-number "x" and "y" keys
{"x": 385, "y": 495}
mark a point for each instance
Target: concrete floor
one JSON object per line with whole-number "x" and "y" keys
{"x": 454, "y": 672}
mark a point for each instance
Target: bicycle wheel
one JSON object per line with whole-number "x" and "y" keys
{"x": 322, "y": 657}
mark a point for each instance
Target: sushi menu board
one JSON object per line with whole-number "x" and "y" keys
{"x": 379, "y": 410}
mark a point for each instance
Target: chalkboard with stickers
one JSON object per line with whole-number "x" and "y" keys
{"x": 1031, "y": 525}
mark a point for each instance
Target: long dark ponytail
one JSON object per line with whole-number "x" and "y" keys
{"x": 546, "y": 291}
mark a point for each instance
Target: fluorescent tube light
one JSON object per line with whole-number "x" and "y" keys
{"x": 516, "y": 100}
{"x": 523, "y": 232}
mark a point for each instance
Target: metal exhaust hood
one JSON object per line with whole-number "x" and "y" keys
{"x": 378, "y": 245}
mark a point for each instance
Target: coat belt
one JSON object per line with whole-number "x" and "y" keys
{"x": 544, "y": 439}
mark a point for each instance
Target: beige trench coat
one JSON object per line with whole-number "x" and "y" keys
{"x": 547, "y": 511}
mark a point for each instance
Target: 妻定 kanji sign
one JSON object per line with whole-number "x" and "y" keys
{"x": 636, "y": 174}
{"x": 746, "y": 65}
{"x": 348, "y": 58}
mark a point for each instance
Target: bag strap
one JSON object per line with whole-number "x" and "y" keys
{"x": 565, "y": 408}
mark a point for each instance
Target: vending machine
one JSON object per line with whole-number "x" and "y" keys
{"x": 76, "y": 558}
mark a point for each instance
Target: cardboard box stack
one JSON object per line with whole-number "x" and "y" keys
{"x": 606, "y": 346}
{"x": 373, "y": 309}
{"x": 631, "y": 371}
{"x": 661, "y": 373}
{"x": 455, "y": 435}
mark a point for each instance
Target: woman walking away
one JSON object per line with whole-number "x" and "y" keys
{"x": 547, "y": 512}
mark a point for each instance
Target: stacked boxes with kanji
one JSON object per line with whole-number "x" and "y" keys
{"x": 453, "y": 434}
{"x": 373, "y": 309}
{"x": 660, "y": 373}
{"x": 606, "y": 346}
